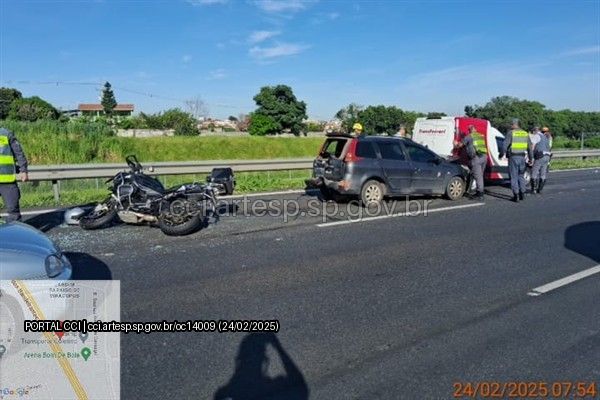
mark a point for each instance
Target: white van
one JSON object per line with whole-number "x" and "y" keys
{"x": 438, "y": 134}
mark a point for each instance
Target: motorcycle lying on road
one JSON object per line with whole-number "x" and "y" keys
{"x": 136, "y": 198}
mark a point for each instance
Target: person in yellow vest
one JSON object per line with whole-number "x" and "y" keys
{"x": 357, "y": 129}
{"x": 13, "y": 164}
{"x": 477, "y": 151}
{"x": 516, "y": 147}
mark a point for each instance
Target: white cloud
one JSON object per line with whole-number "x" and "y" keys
{"x": 279, "y": 50}
{"x": 217, "y": 74}
{"x": 281, "y": 6}
{"x": 582, "y": 51}
{"x": 206, "y": 2}
{"x": 261, "y": 36}
{"x": 186, "y": 58}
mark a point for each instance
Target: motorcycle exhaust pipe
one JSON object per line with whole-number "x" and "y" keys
{"x": 146, "y": 217}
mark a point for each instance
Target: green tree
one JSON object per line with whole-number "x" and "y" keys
{"x": 108, "y": 99}
{"x": 381, "y": 119}
{"x": 501, "y": 110}
{"x": 281, "y": 105}
{"x": 434, "y": 114}
{"x": 7, "y": 96}
{"x": 410, "y": 117}
{"x": 349, "y": 116}
{"x": 32, "y": 109}
{"x": 261, "y": 125}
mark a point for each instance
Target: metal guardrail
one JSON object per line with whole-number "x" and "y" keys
{"x": 576, "y": 153}
{"x": 56, "y": 173}
{"x": 88, "y": 171}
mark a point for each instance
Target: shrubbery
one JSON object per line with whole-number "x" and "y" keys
{"x": 261, "y": 125}
{"x": 31, "y": 109}
{"x": 184, "y": 124}
{"x": 315, "y": 126}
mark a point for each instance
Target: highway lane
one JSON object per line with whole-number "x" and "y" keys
{"x": 400, "y": 307}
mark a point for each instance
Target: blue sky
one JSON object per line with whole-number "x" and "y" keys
{"x": 418, "y": 55}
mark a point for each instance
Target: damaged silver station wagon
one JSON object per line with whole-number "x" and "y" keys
{"x": 374, "y": 167}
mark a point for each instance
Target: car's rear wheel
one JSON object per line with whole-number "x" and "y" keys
{"x": 455, "y": 188}
{"x": 371, "y": 193}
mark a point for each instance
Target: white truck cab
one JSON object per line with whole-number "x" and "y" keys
{"x": 439, "y": 134}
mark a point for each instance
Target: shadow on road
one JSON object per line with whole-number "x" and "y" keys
{"x": 87, "y": 267}
{"x": 47, "y": 221}
{"x": 584, "y": 239}
{"x": 497, "y": 195}
{"x": 250, "y": 379}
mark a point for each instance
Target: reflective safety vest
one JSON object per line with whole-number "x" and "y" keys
{"x": 479, "y": 143}
{"x": 520, "y": 140}
{"x": 8, "y": 173}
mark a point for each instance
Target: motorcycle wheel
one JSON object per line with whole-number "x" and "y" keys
{"x": 100, "y": 216}
{"x": 179, "y": 222}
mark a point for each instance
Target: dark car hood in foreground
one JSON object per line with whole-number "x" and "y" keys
{"x": 19, "y": 237}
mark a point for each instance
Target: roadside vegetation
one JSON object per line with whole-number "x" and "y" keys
{"x": 51, "y": 137}
{"x": 53, "y": 142}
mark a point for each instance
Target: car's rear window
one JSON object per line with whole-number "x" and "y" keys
{"x": 333, "y": 147}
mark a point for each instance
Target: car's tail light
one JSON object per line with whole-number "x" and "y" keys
{"x": 351, "y": 154}
{"x": 54, "y": 266}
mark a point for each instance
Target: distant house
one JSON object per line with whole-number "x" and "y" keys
{"x": 94, "y": 110}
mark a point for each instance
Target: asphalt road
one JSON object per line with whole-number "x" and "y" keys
{"x": 401, "y": 307}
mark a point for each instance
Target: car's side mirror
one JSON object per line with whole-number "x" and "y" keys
{"x": 436, "y": 161}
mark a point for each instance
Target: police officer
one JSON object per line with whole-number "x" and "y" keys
{"x": 540, "y": 154}
{"x": 516, "y": 146}
{"x": 474, "y": 143}
{"x": 12, "y": 162}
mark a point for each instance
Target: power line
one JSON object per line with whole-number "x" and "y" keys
{"x": 120, "y": 88}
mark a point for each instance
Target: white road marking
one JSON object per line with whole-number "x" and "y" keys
{"x": 351, "y": 221}
{"x": 240, "y": 196}
{"x": 564, "y": 281}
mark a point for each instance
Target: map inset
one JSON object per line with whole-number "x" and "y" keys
{"x": 57, "y": 365}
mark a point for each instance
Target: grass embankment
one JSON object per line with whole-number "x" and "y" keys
{"x": 75, "y": 143}
{"x": 574, "y": 163}
{"x": 50, "y": 142}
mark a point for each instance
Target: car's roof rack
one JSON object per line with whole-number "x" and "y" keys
{"x": 346, "y": 135}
